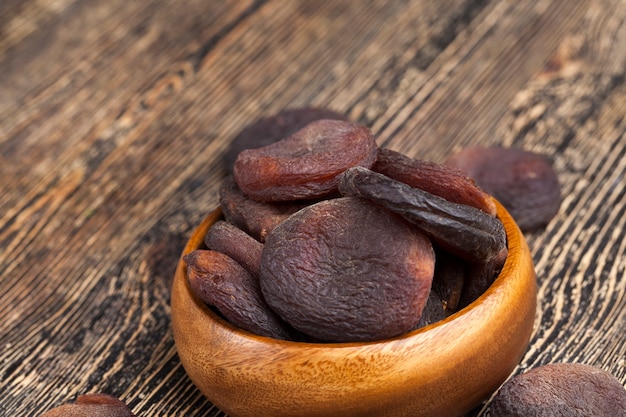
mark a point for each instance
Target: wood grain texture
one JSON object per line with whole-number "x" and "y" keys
{"x": 115, "y": 115}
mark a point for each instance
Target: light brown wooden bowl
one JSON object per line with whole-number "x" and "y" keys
{"x": 444, "y": 369}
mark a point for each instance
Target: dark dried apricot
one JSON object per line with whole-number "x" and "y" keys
{"x": 253, "y": 217}
{"x": 463, "y": 230}
{"x": 452, "y": 184}
{"x": 562, "y": 389}
{"x": 347, "y": 270}
{"x": 449, "y": 279}
{"x": 479, "y": 276}
{"x": 523, "y": 181}
{"x": 274, "y": 128}
{"x": 91, "y": 405}
{"x": 304, "y": 165}
{"x": 220, "y": 281}
{"x": 433, "y": 311}
{"x": 234, "y": 242}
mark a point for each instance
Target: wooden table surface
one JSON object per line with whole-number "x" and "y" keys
{"x": 115, "y": 116}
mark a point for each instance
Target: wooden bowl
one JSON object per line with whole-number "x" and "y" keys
{"x": 444, "y": 369}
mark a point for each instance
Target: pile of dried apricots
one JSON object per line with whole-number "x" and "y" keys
{"x": 327, "y": 237}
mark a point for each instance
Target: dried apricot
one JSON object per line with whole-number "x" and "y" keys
{"x": 304, "y": 165}
{"x": 91, "y": 405}
{"x": 273, "y": 128}
{"x": 523, "y": 181}
{"x": 452, "y": 184}
{"x": 220, "y": 281}
{"x": 347, "y": 270}
{"x": 253, "y": 217}
{"x": 449, "y": 279}
{"x": 463, "y": 230}
{"x": 561, "y": 389}
{"x": 433, "y": 311}
{"x": 479, "y": 276}
{"x": 234, "y": 242}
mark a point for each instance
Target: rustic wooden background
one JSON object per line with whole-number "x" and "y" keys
{"x": 115, "y": 116}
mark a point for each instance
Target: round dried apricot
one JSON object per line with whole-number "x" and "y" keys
{"x": 221, "y": 282}
{"x": 523, "y": 181}
{"x": 230, "y": 240}
{"x": 256, "y": 218}
{"x": 305, "y": 165}
{"x": 346, "y": 270}
{"x": 561, "y": 389}
{"x": 273, "y": 128}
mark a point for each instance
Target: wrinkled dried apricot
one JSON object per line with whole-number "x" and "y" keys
{"x": 253, "y": 217}
{"x": 479, "y": 276}
{"x": 449, "y": 279}
{"x": 562, "y": 389}
{"x": 273, "y": 128}
{"x": 234, "y": 242}
{"x": 463, "y": 230}
{"x": 91, "y": 405}
{"x": 452, "y": 184}
{"x": 433, "y": 311}
{"x": 347, "y": 270}
{"x": 304, "y": 165}
{"x": 523, "y": 181}
{"x": 220, "y": 281}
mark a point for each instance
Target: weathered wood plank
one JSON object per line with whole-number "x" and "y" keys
{"x": 79, "y": 86}
{"x": 471, "y": 83}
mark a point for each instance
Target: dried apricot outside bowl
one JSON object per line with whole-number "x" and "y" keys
{"x": 444, "y": 369}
